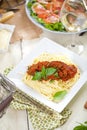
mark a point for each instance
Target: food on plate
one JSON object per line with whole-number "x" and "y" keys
{"x": 52, "y": 75}
{"x": 74, "y": 16}
{"x": 47, "y": 13}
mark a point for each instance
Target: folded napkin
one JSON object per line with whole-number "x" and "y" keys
{"x": 41, "y": 116}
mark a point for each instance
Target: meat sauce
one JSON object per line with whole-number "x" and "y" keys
{"x": 65, "y": 72}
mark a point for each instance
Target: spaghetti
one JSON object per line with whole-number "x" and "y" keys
{"x": 44, "y": 75}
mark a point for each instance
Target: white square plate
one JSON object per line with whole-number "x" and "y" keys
{"x": 46, "y": 45}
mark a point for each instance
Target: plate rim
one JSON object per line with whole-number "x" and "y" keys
{"x": 63, "y": 106}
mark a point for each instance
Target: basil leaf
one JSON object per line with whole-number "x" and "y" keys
{"x": 43, "y": 72}
{"x": 59, "y": 95}
{"x": 80, "y": 128}
{"x": 37, "y": 76}
{"x": 50, "y": 71}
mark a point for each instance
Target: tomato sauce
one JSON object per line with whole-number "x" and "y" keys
{"x": 65, "y": 72}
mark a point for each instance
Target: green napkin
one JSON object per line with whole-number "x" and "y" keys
{"x": 41, "y": 116}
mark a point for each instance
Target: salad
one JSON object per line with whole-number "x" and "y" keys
{"x": 47, "y": 13}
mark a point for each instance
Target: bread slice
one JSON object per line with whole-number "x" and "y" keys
{"x": 5, "y": 16}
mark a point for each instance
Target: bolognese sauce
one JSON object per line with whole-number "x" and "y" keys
{"x": 63, "y": 70}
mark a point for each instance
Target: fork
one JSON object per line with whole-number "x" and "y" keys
{"x": 7, "y": 84}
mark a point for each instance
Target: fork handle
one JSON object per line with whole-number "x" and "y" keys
{"x": 5, "y": 103}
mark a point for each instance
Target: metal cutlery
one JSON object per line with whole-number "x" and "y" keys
{"x": 7, "y": 89}
{"x": 8, "y": 84}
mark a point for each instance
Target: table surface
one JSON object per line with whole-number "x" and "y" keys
{"x": 17, "y": 120}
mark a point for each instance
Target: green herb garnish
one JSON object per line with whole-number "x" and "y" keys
{"x": 50, "y": 71}
{"x": 37, "y": 76}
{"x": 59, "y": 95}
{"x": 81, "y": 126}
{"x": 44, "y": 73}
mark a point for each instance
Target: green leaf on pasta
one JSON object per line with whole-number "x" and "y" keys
{"x": 37, "y": 76}
{"x": 50, "y": 71}
{"x": 59, "y": 95}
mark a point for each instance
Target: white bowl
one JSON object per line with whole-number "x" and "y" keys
{"x": 42, "y": 27}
